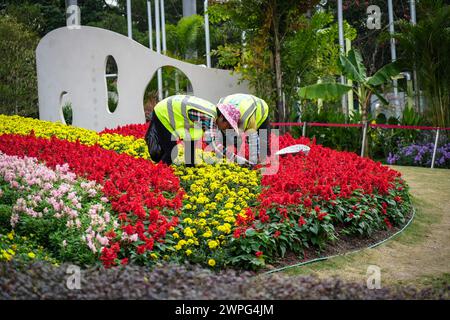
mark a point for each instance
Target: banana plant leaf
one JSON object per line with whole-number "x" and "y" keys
{"x": 356, "y": 60}
{"x": 325, "y": 91}
{"x": 384, "y": 75}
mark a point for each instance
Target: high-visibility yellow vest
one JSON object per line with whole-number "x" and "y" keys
{"x": 248, "y": 105}
{"x": 173, "y": 114}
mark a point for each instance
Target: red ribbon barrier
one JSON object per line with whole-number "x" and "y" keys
{"x": 383, "y": 126}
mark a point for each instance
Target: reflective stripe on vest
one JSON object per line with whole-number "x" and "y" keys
{"x": 173, "y": 114}
{"x": 247, "y": 105}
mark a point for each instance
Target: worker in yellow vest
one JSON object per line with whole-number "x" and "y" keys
{"x": 254, "y": 122}
{"x": 187, "y": 118}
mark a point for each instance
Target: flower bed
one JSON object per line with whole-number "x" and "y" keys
{"x": 136, "y": 130}
{"x": 139, "y": 191}
{"x": 421, "y": 155}
{"x": 222, "y": 214}
{"x": 45, "y": 129}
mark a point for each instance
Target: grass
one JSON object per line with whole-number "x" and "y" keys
{"x": 420, "y": 256}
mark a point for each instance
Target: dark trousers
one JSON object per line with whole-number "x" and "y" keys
{"x": 162, "y": 144}
{"x": 264, "y": 140}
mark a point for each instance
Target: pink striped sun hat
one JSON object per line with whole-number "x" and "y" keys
{"x": 231, "y": 114}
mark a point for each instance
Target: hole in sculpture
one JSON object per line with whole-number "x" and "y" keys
{"x": 111, "y": 75}
{"x": 174, "y": 81}
{"x": 66, "y": 107}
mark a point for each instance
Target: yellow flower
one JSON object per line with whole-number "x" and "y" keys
{"x": 207, "y": 234}
{"x": 11, "y": 252}
{"x": 176, "y": 235}
{"x": 31, "y": 255}
{"x": 11, "y": 235}
{"x": 212, "y": 262}
{"x": 154, "y": 255}
{"x": 188, "y": 232}
{"x": 212, "y": 244}
{"x": 229, "y": 205}
{"x": 188, "y": 252}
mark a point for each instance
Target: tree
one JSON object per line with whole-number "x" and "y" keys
{"x": 18, "y": 84}
{"x": 353, "y": 68}
{"x": 266, "y": 24}
{"x": 426, "y": 46}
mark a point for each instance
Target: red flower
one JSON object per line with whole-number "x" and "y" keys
{"x": 124, "y": 261}
{"x": 263, "y": 216}
{"x": 321, "y": 216}
{"x": 277, "y": 234}
{"x": 258, "y": 253}
{"x": 307, "y": 202}
{"x": 388, "y": 223}
{"x": 301, "y": 221}
{"x": 141, "y": 249}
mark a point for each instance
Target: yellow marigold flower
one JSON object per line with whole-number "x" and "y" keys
{"x": 190, "y": 241}
{"x": 31, "y": 255}
{"x": 188, "y": 232}
{"x": 176, "y": 235}
{"x": 178, "y": 247}
{"x": 229, "y": 205}
{"x": 187, "y": 220}
{"x": 188, "y": 252}
{"x": 7, "y": 256}
{"x": 11, "y": 235}
{"x": 229, "y": 219}
{"x": 188, "y": 206}
{"x": 11, "y": 252}
{"x": 212, "y": 244}
{"x": 153, "y": 255}
{"x": 212, "y": 262}
{"x": 207, "y": 234}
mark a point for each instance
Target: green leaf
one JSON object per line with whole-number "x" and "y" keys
{"x": 350, "y": 70}
{"x": 325, "y": 91}
{"x": 356, "y": 60}
{"x": 379, "y": 96}
{"x": 384, "y": 75}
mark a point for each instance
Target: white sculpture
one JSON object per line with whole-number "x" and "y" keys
{"x": 73, "y": 61}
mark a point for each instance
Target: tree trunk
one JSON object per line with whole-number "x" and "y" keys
{"x": 278, "y": 75}
{"x": 365, "y": 102}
